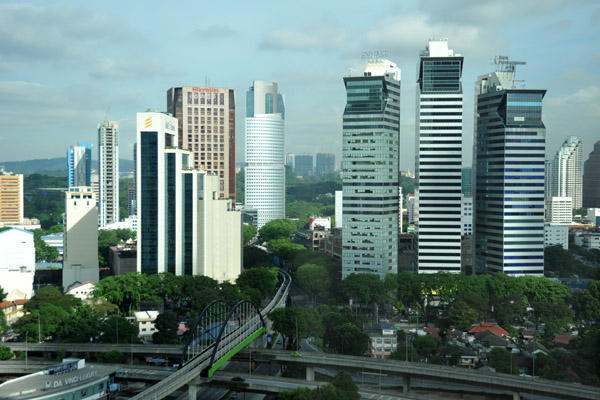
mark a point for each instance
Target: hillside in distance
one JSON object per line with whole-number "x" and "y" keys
{"x": 53, "y": 166}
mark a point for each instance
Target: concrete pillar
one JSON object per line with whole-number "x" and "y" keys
{"x": 310, "y": 374}
{"x": 516, "y": 396}
{"x": 406, "y": 384}
{"x": 192, "y": 391}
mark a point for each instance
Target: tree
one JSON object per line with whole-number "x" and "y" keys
{"x": 461, "y": 315}
{"x": 113, "y": 357}
{"x": 6, "y": 353}
{"x": 555, "y": 316}
{"x": 263, "y": 279}
{"x": 126, "y": 291}
{"x": 285, "y": 250}
{"x": 249, "y": 233}
{"x": 350, "y": 339}
{"x": 363, "y": 289}
{"x": 344, "y": 382}
{"x": 81, "y": 325}
{"x": 426, "y": 345}
{"x": 289, "y": 320}
{"x": 587, "y": 303}
{"x": 43, "y": 252}
{"x": 402, "y": 352}
{"x": 256, "y": 257}
{"x": 314, "y": 279}
{"x": 502, "y": 360}
{"x": 167, "y": 325}
{"x": 277, "y": 229}
{"x": 118, "y": 324}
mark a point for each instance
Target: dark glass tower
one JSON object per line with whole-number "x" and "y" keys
{"x": 371, "y": 146}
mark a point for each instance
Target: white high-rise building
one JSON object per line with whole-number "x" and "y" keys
{"x": 108, "y": 148}
{"x": 509, "y": 164}
{"x": 80, "y": 263}
{"x": 184, "y": 226}
{"x": 265, "y": 156}
{"x": 339, "y": 199}
{"x": 439, "y": 158}
{"x": 566, "y": 177}
{"x": 561, "y": 210}
{"x": 371, "y": 176}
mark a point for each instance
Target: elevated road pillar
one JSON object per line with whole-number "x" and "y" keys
{"x": 516, "y": 396}
{"x": 310, "y": 374}
{"x": 405, "y": 384}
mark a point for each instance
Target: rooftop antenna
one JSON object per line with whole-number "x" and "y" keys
{"x": 107, "y": 116}
{"x": 503, "y": 64}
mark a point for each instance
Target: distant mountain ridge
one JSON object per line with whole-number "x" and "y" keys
{"x": 54, "y": 166}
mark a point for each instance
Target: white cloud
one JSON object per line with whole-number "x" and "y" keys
{"x": 315, "y": 35}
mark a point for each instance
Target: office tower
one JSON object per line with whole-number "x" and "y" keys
{"x": 304, "y": 165}
{"x": 95, "y": 183}
{"x": 325, "y": 164}
{"x": 400, "y": 209}
{"x": 265, "y": 170}
{"x": 11, "y": 199}
{"x": 207, "y": 128}
{"x": 79, "y": 164}
{"x": 371, "y": 175}
{"x": 413, "y": 208}
{"x": 566, "y": 177}
{"x": 591, "y": 179}
{"x": 80, "y": 263}
{"x": 439, "y": 158}
{"x": 290, "y": 159}
{"x": 466, "y": 181}
{"x": 561, "y": 210}
{"x": 131, "y": 199}
{"x": 184, "y": 226}
{"x": 509, "y": 169}
{"x": 467, "y": 216}
{"x": 108, "y": 150}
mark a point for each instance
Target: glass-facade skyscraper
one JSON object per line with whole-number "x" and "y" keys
{"x": 370, "y": 164}
{"x": 79, "y": 164}
{"x": 510, "y": 144}
{"x": 265, "y": 154}
{"x": 566, "y": 175}
{"x": 438, "y": 153}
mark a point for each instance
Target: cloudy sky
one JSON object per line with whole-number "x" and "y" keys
{"x": 62, "y": 64}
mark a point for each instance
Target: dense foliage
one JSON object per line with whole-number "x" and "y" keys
{"x": 40, "y": 202}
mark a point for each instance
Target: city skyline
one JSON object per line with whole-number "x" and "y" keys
{"x": 55, "y": 93}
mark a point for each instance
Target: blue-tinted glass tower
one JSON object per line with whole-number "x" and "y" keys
{"x": 79, "y": 164}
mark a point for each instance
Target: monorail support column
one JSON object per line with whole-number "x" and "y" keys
{"x": 516, "y": 396}
{"x": 406, "y": 384}
{"x": 310, "y": 374}
{"x": 192, "y": 391}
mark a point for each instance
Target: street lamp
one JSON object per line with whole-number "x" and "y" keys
{"x": 26, "y": 347}
{"x": 39, "y": 328}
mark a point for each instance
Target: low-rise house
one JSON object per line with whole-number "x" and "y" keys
{"x": 13, "y": 309}
{"x": 486, "y": 326}
{"x": 383, "y": 340}
{"x": 145, "y": 321}
{"x": 467, "y": 358}
{"x": 83, "y": 291}
{"x": 563, "y": 339}
{"x": 534, "y": 348}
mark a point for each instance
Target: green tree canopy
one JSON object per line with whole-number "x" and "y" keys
{"x": 117, "y": 324}
{"x": 262, "y": 279}
{"x": 256, "y": 257}
{"x": 167, "y": 325}
{"x": 503, "y": 361}
{"x": 277, "y": 229}
{"x": 314, "y": 279}
{"x": 126, "y": 291}
{"x": 249, "y": 233}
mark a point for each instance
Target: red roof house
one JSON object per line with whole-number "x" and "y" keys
{"x": 489, "y": 327}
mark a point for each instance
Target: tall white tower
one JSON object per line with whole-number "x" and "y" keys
{"x": 265, "y": 157}
{"x": 567, "y": 171}
{"x": 108, "y": 148}
{"x": 439, "y": 158}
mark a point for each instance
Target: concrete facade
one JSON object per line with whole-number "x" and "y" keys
{"x": 17, "y": 263}
{"x": 556, "y": 234}
{"x": 11, "y": 199}
{"x": 108, "y": 157}
{"x": 80, "y": 259}
{"x": 560, "y": 211}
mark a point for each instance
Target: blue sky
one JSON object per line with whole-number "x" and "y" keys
{"x": 62, "y": 64}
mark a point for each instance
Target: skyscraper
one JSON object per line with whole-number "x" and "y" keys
{"x": 11, "y": 199}
{"x": 265, "y": 157}
{"x": 439, "y": 157}
{"x": 371, "y": 176}
{"x": 108, "y": 151}
{"x": 566, "y": 177}
{"x": 207, "y": 128}
{"x": 325, "y": 164}
{"x": 509, "y": 167}
{"x": 79, "y": 164}
{"x": 184, "y": 226}
{"x": 303, "y": 165}
{"x": 591, "y": 179}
